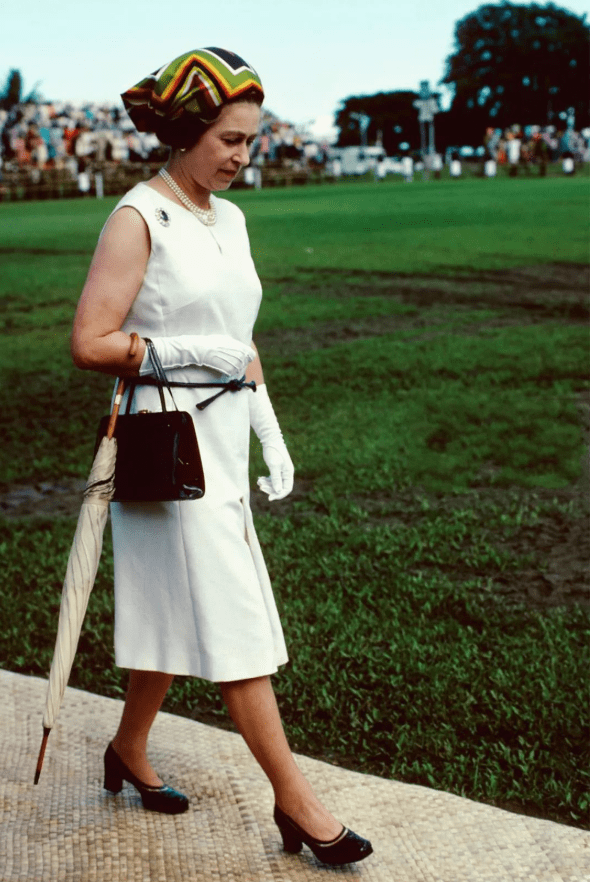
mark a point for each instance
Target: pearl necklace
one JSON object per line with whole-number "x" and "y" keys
{"x": 207, "y": 216}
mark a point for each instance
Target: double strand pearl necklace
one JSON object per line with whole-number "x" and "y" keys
{"x": 207, "y": 216}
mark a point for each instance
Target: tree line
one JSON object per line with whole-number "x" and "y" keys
{"x": 511, "y": 64}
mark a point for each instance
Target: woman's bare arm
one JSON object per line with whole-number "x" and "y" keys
{"x": 114, "y": 279}
{"x": 254, "y": 369}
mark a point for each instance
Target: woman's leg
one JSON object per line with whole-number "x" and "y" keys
{"x": 144, "y": 698}
{"x": 253, "y": 708}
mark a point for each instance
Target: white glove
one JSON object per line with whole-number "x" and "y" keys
{"x": 216, "y": 351}
{"x": 274, "y": 449}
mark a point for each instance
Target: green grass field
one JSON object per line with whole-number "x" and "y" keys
{"x": 426, "y": 348}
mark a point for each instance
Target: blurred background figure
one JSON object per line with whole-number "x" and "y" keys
{"x": 513, "y": 148}
{"x": 408, "y": 168}
{"x": 455, "y": 168}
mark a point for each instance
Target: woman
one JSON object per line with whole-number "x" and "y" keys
{"x": 192, "y": 594}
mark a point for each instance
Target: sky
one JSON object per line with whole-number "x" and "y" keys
{"x": 310, "y": 54}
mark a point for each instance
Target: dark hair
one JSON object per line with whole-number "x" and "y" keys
{"x": 188, "y": 129}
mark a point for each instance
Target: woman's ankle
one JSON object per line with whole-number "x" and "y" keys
{"x": 303, "y": 807}
{"x": 127, "y": 746}
{"x": 134, "y": 756}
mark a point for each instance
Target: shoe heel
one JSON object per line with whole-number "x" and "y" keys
{"x": 291, "y": 841}
{"x": 113, "y": 779}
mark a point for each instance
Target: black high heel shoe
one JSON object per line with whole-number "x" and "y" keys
{"x": 156, "y": 799}
{"x": 346, "y": 848}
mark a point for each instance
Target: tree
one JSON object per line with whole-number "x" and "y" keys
{"x": 394, "y": 119}
{"x": 518, "y": 64}
{"x": 10, "y": 95}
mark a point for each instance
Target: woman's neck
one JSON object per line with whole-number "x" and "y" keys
{"x": 197, "y": 194}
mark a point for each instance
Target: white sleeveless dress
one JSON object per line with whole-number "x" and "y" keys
{"x": 192, "y": 593}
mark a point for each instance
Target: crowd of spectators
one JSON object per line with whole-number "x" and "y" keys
{"x": 534, "y": 145}
{"x": 60, "y": 135}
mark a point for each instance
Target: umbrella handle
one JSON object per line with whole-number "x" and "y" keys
{"x": 121, "y": 389}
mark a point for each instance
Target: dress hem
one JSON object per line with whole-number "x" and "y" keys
{"x": 248, "y": 673}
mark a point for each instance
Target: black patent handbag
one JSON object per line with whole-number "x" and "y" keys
{"x": 158, "y": 458}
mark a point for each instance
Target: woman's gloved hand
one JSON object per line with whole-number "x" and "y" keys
{"x": 216, "y": 351}
{"x": 274, "y": 449}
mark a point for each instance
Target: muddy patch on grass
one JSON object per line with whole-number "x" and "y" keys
{"x": 522, "y": 295}
{"x": 53, "y": 499}
{"x": 556, "y": 546}
{"x": 559, "y": 289}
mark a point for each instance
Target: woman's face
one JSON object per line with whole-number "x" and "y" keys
{"x": 223, "y": 149}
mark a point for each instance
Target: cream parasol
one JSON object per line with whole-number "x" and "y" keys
{"x": 82, "y": 567}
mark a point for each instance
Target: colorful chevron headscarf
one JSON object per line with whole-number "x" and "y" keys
{"x": 194, "y": 85}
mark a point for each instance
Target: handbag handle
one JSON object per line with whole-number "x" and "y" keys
{"x": 161, "y": 379}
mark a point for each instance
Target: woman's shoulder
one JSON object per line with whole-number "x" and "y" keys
{"x": 138, "y": 197}
{"x": 227, "y": 209}
{"x": 147, "y": 202}
{"x": 132, "y": 199}
{"x": 124, "y": 215}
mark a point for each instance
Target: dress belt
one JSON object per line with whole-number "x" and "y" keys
{"x": 233, "y": 385}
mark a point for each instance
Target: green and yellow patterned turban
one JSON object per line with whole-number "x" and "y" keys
{"x": 193, "y": 86}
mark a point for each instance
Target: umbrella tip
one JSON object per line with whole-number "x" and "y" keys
{"x": 46, "y": 732}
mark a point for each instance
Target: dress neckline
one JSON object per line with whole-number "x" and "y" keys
{"x": 209, "y": 229}
{"x": 167, "y": 198}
